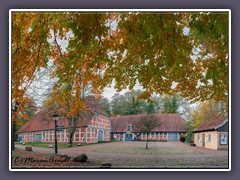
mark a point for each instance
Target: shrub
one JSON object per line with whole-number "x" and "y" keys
{"x": 182, "y": 138}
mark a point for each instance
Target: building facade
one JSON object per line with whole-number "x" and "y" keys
{"x": 171, "y": 126}
{"x": 94, "y": 126}
{"x": 212, "y": 134}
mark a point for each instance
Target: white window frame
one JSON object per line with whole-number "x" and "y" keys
{"x": 47, "y": 135}
{"x": 209, "y": 137}
{"x": 130, "y": 127}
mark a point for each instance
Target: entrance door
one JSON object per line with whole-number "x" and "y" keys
{"x": 19, "y": 138}
{"x": 128, "y": 137}
{"x": 203, "y": 140}
{"x": 100, "y": 135}
{"x": 38, "y": 137}
{"x": 172, "y": 136}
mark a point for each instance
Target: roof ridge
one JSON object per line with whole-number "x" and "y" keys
{"x": 210, "y": 123}
{"x": 145, "y": 114}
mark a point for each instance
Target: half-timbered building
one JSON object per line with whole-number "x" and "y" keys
{"x": 93, "y": 126}
{"x": 171, "y": 126}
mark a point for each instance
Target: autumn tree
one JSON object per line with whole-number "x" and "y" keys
{"x": 161, "y": 55}
{"x": 70, "y": 100}
{"x": 204, "y": 112}
{"x": 146, "y": 124}
{"x": 189, "y": 50}
{"x": 29, "y": 52}
{"x": 21, "y": 112}
{"x": 79, "y": 65}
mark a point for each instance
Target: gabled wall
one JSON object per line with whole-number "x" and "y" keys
{"x": 87, "y": 134}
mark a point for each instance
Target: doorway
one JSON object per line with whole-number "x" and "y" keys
{"x": 100, "y": 135}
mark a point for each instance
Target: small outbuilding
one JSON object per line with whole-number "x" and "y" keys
{"x": 212, "y": 134}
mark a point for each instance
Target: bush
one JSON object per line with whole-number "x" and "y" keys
{"x": 182, "y": 138}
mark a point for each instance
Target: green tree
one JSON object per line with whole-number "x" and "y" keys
{"x": 106, "y": 105}
{"x": 116, "y": 104}
{"x": 170, "y": 104}
{"x": 150, "y": 108}
{"x": 189, "y": 126}
{"x": 134, "y": 106}
{"x": 128, "y": 103}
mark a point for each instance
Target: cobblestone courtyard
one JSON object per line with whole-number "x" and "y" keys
{"x": 134, "y": 155}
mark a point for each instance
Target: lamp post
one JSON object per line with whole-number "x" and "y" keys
{"x": 55, "y": 118}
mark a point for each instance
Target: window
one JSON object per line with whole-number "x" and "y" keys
{"x": 92, "y": 130}
{"x": 209, "y": 137}
{"x": 31, "y": 136}
{"x": 62, "y": 135}
{"x": 198, "y": 137}
{"x": 47, "y": 134}
{"x": 129, "y": 127}
{"x": 223, "y": 139}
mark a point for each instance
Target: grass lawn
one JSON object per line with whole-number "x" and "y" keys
{"x": 60, "y": 145}
{"x": 155, "y": 148}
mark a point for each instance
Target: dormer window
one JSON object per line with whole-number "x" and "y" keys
{"x": 129, "y": 127}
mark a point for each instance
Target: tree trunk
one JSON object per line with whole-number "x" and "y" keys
{"x": 70, "y": 140}
{"x": 71, "y": 134}
{"x": 72, "y": 129}
{"x": 70, "y": 124}
{"x": 147, "y": 142}
{"x": 13, "y": 135}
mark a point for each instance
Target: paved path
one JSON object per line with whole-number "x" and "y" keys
{"x": 205, "y": 157}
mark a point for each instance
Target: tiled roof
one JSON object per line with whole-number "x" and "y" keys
{"x": 93, "y": 104}
{"x": 43, "y": 120}
{"x": 168, "y": 123}
{"x": 212, "y": 124}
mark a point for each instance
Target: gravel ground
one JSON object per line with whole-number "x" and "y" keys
{"x": 134, "y": 155}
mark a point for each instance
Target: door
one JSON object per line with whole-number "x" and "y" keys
{"x": 38, "y": 138}
{"x": 100, "y": 135}
{"x": 203, "y": 140}
{"x": 172, "y": 136}
{"x": 19, "y": 138}
{"x": 128, "y": 137}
